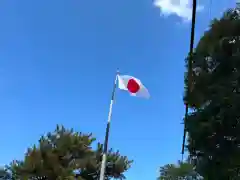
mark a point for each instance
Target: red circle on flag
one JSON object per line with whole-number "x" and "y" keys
{"x": 133, "y": 86}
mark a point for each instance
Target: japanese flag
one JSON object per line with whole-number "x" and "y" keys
{"x": 133, "y": 85}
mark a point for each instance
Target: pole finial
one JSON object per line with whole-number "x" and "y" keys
{"x": 118, "y": 72}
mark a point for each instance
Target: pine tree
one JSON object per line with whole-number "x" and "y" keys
{"x": 65, "y": 154}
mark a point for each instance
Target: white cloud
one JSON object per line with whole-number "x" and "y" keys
{"x": 181, "y": 8}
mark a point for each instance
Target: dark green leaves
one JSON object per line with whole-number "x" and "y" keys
{"x": 214, "y": 125}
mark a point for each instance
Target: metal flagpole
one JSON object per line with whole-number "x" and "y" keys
{"x": 105, "y": 148}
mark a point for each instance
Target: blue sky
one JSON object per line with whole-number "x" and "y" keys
{"x": 57, "y": 65}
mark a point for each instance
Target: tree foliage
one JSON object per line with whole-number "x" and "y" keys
{"x": 181, "y": 171}
{"x": 214, "y": 125}
{"x": 65, "y": 154}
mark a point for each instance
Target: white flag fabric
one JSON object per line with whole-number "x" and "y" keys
{"x": 133, "y": 85}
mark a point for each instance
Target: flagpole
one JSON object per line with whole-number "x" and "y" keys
{"x": 105, "y": 148}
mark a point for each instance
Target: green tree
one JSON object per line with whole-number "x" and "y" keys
{"x": 181, "y": 171}
{"x": 214, "y": 125}
{"x": 65, "y": 154}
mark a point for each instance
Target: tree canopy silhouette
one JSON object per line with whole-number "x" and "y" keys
{"x": 214, "y": 125}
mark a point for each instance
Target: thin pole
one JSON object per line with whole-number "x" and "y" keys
{"x": 189, "y": 70}
{"x": 105, "y": 148}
